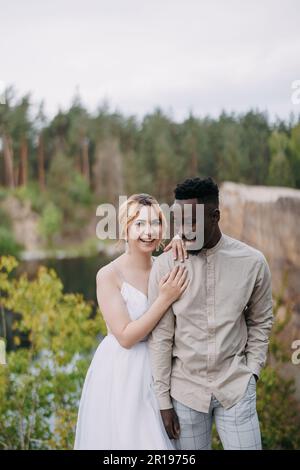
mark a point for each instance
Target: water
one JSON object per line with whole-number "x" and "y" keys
{"x": 78, "y": 275}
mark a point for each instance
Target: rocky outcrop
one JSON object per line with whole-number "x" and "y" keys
{"x": 267, "y": 218}
{"x": 24, "y": 222}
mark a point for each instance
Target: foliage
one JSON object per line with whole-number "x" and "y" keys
{"x": 86, "y": 155}
{"x": 40, "y": 386}
{"x": 31, "y": 192}
{"x": 280, "y": 171}
{"x": 8, "y": 244}
{"x": 70, "y": 192}
{"x": 50, "y": 222}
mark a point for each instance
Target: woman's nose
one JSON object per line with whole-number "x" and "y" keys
{"x": 147, "y": 231}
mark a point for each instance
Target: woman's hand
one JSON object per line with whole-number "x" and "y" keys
{"x": 173, "y": 284}
{"x": 177, "y": 245}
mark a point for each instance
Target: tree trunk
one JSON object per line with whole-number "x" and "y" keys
{"x": 78, "y": 163}
{"x": 24, "y": 162}
{"x": 41, "y": 166}
{"x": 8, "y": 162}
{"x": 85, "y": 158}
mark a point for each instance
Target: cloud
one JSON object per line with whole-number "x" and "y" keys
{"x": 192, "y": 54}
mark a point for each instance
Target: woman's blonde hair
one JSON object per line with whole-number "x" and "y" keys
{"x": 130, "y": 209}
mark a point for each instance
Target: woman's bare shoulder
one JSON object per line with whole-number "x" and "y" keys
{"x": 109, "y": 273}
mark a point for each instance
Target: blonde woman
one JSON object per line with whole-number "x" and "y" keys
{"x": 118, "y": 407}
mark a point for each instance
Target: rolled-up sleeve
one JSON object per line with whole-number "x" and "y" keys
{"x": 161, "y": 344}
{"x": 259, "y": 319}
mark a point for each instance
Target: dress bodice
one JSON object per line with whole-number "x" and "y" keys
{"x": 136, "y": 301}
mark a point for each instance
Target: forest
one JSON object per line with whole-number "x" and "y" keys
{"x": 105, "y": 153}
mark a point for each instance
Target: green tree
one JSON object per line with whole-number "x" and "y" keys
{"x": 294, "y": 149}
{"x": 280, "y": 172}
{"x": 41, "y": 385}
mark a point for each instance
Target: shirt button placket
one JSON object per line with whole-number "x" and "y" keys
{"x": 210, "y": 318}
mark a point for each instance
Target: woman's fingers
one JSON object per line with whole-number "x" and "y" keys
{"x": 164, "y": 278}
{"x": 174, "y": 272}
{"x": 179, "y": 249}
{"x": 168, "y": 247}
{"x": 186, "y": 255}
{"x": 175, "y": 248}
{"x": 179, "y": 274}
{"x": 177, "y": 245}
{"x": 184, "y": 286}
{"x": 182, "y": 277}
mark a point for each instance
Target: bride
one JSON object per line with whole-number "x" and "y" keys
{"x": 118, "y": 407}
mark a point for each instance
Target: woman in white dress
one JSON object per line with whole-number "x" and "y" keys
{"x": 118, "y": 408}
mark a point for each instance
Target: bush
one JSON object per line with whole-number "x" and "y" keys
{"x": 31, "y": 192}
{"x": 41, "y": 385}
{"x": 50, "y": 222}
{"x": 79, "y": 190}
{"x": 8, "y": 244}
{"x": 5, "y": 219}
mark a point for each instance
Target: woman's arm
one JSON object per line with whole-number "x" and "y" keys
{"x": 113, "y": 307}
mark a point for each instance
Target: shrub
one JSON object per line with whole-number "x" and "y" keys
{"x": 50, "y": 222}
{"x": 41, "y": 385}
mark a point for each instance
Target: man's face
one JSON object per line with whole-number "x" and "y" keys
{"x": 198, "y": 223}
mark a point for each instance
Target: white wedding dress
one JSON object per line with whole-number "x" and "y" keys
{"x": 118, "y": 408}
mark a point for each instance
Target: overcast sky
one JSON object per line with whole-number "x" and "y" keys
{"x": 180, "y": 55}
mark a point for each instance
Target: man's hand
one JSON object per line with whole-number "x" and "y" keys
{"x": 171, "y": 423}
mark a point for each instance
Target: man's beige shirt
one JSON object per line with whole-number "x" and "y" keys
{"x": 216, "y": 335}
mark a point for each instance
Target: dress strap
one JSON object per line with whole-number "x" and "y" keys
{"x": 118, "y": 272}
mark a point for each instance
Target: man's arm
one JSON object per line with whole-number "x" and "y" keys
{"x": 259, "y": 319}
{"x": 161, "y": 344}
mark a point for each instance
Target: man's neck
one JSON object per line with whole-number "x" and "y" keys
{"x": 214, "y": 240}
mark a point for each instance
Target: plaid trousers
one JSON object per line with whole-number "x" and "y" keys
{"x": 238, "y": 426}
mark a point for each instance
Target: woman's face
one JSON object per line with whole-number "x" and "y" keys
{"x": 145, "y": 231}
